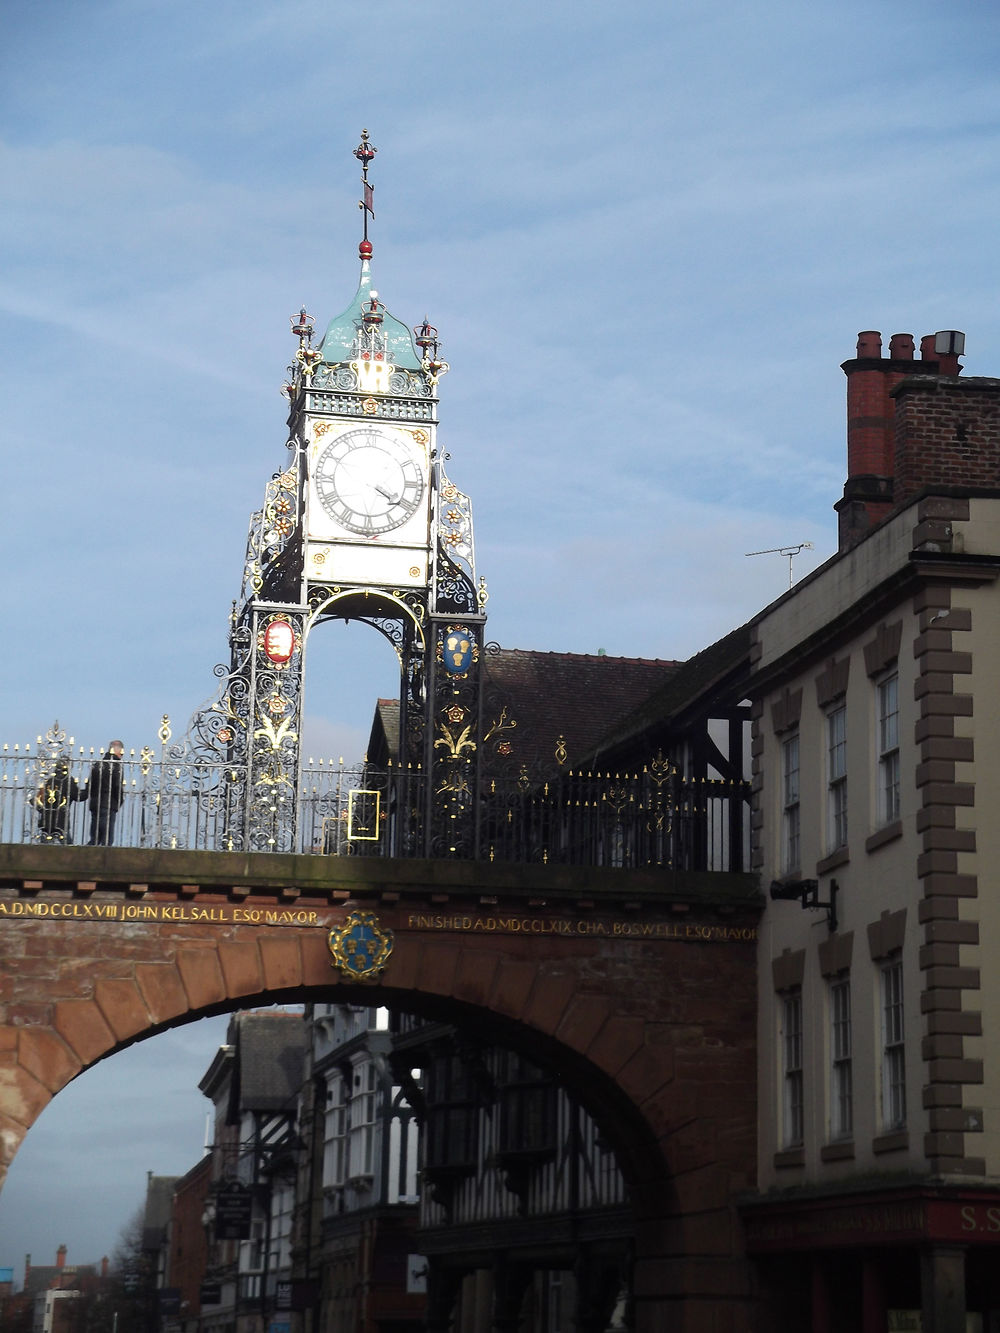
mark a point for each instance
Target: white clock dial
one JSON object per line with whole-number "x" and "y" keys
{"x": 369, "y": 480}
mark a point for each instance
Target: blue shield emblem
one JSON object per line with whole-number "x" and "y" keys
{"x": 457, "y": 651}
{"x": 360, "y": 947}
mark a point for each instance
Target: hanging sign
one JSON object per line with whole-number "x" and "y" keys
{"x": 233, "y": 1209}
{"x": 279, "y": 642}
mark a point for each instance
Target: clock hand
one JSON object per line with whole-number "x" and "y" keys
{"x": 393, "y": 499}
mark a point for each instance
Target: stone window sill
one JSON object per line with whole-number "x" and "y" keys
{"x": 839, "y": 857}
{"x": 896, "y": 1140}
{"x": 840, "y": 1151}
{"x": 789, "y": 1157}
{"x": 883, "y": 835}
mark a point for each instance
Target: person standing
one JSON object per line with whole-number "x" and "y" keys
{"x": 105, "y": 794}
{"x": 53, "y": 800}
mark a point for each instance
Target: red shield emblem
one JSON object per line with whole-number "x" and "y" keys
{"x": 279, "y": 642}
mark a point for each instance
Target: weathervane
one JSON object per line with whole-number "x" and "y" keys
{"x": 364, "y": 153}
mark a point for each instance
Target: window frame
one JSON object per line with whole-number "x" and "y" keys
{"x": 450, "y": 1133}
{"x": 791, "y": 788}
{"x": 841, "y": 1059}
{"x": 836, "y": 775}
{"x": 335, "y": 1132}
{"x": 887, "y": 766}
{"x": 792, "y": 1070}
{"x": 893, "y": 1017}
{"x": 528, "y": 1114}
{"x": 363, "y": 1120}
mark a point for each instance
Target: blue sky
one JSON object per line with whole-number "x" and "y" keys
{"x": 649, "y": 235}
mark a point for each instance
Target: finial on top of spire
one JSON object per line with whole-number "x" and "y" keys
{"x": 364, "y": 152}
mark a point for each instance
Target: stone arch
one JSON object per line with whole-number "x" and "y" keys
{"x": 656, "y": 1035}
{"x": 601, "y": 1054}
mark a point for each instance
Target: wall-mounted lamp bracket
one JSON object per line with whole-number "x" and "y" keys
{"x": 807, "y": 893}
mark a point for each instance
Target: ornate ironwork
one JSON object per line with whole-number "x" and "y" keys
{"x": 173, "y": 798}
{"x": 455, "y": 591}
{"x": 274, "y": 529}
{"x": 343, "y": 379}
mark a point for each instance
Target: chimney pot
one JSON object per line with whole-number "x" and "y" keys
{"x": 61, "y": 1257}
{"x": 901, "y": 347}
{"x": 949, "y": 342}
{"x": 870, "y": 343}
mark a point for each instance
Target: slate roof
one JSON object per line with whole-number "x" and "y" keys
{"x": 536, "y": 698}
{"x": 385, "y": 731}
{"x": 576, "y": 696}
{"x": 270, "y": 1050}
{"x": 156, "y": 1216}
{"x": 56, "y": 1277}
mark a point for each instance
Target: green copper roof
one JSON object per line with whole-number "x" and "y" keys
{"x": 338, "y": 341}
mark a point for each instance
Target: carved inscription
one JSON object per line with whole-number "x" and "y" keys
{"x": 499, "y": 923}
{"x": 538, "y": 925}
{"x": 152, "y": 913}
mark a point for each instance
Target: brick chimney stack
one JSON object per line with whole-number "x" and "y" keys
{"x": 61, "y": 1257}
{"x": 871, "y": 423}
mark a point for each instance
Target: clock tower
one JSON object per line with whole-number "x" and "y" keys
{"x": 363, "y": 524}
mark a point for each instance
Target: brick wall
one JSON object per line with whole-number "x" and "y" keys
{"x": 947, "y": 433}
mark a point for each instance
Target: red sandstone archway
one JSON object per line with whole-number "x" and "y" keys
{"x": 648, "y": 1015}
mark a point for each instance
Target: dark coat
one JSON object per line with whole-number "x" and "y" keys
{"x": 53, "y": 799}
{"x": 104, "y": 787}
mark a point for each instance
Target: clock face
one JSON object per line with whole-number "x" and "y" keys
{"x": 369, "y": 480}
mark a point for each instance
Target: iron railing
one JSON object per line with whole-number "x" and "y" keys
{"x": 648, "y": 816}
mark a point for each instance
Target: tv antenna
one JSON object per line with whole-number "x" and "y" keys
{"x": 790, "y": 551}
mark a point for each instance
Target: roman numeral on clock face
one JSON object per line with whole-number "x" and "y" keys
{"x": 369, "y": 481}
